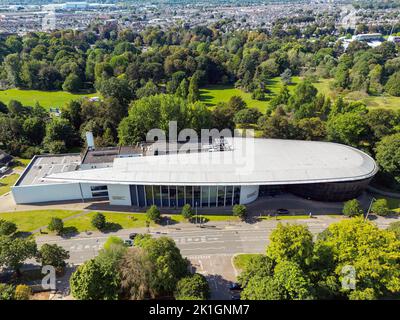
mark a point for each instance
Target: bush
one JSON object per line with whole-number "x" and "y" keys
{"x": 395, "y": 227}
{"x": 187, "y": 211}
{"x": 153, "y": 213}
{"x": 99, "y": 221}
{"x": 6, "y": 291}
{"x": 352, "y": 208}
{"x": 7, "y": 227}
{"x": 22, "y": 292}
{"x": 56, "y": 224}
{"x": 193, "y": 287}
{"x": 380, "y": 207}
{"x": 239, "y": 210}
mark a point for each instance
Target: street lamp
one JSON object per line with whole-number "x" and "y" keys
{"x": 369, "y": 209}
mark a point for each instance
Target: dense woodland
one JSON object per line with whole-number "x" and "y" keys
{"x": 147, "y": 79}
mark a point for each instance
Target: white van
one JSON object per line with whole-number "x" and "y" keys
{"x": 3, "y": 170}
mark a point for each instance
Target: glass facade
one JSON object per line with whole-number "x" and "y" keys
{"x": 177, "y": 196}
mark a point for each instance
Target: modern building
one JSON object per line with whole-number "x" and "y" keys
{"x": 211, "y": 176}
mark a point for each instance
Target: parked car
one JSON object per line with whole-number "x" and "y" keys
{"x": 3, "y": 170}
{"x": 128, "y": 242}
{"x": 234, "y": 286}
{"x": 235, "y": 296}
{"x": 282, "y": 211}
{"x": 132, "y": 235}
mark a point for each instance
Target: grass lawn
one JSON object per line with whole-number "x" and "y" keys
{"x": 240, "y": 261}
{"x": 46, "y": 99}
{"x": 7, "y": 182}
{"x": 31, "y": 220}
{"x": 383, "y": 101}
{"x": 213, "y": 94}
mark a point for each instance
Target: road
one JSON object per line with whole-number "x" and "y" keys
{"x": 210, "y": 249}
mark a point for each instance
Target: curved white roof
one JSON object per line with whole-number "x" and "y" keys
{"x": 251, "y": 162}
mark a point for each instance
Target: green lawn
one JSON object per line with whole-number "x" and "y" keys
{"x": 213, "y": 94}
{"x": 31, "y": 220}
{"x": 7, "y": 182}
{"x": 240, "y": 261}
{"x": 46, "y": 99}
{"x": 383, "y": 101}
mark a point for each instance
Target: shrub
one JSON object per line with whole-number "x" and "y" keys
{"x": 239, "y": 210}
{"x": 193, "y": 287}
{"x": 352, "y": 208}
{"x": 6, "y": 291}
{"x": 7, "y": 227}
{"x": 22, "y": 292}
{"x": 56, "y": 224}
{"x": 187, "y": 211}
{"x": 99, "y": 221}
{"x": 380, "y": 207}
{"x": 153, "y": 213}
{"x": 113, "y": 241}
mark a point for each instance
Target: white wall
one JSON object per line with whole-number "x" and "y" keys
{"x": 51, "y": 192}
{"x": 248, "y": 194}
{"x": 119, "y": 194}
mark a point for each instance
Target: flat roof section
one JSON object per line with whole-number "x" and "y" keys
{"x": 251, "y": 162}
{"x": 42, "y": 166}
{"x": 108, "y": 154}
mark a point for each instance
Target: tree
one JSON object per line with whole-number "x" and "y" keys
{"x": 352, "y": 208}
{"x": 53, "y": 255}
{"x": 7, "y": 227}
{"x": 153, "y": 213}
{"x": 59, "y": 129}
{"x": 72, "y": 83}
{"x": 193, "y": 91}
{"x": 95, "y": 281}
{"x": 236, "y": 103}
{"x": 113, "y": 241}
{"x": 247, "y": 116}
{"x": 6, "y": 291}
{"x": 192, "y": 287}
{"x": 291, "y": 242}
{"x": 373, "y": 253}
{"x": 293, "y": 282}
{"x": 239, "y": 210}
{"x": 392, "y": 85}
{"x": 380, "y": 207}
{"x": 14, "y": 251}
{"x": 169, "y": 265}
{"x": 22, "y": 292}
{"x": 99, "y": 221}
{"x": 286, "y": 77}
{"x": 388, "y": 155}
{"x": 137, "y": 272}
{"x": 282, "y": 98}
{"x": 312, "y": 129}
{"x": 260, "y": 266}
{"x": 187, "y": 211}
{"x": 348, "y": 128}
{"x": 56, "y": 224}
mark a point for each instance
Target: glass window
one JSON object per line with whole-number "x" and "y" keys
{"x": 141, "y": 196}
{"x": 181, "y": 196}
{"x": 221, "y": 196}
{"x": 149, "y": 195}
{"x": 197, "y": 196}
{"x": 164, "y": 193}
{"x": 236, "y": 196}
{"x": 100, "y": 194}
{"x": 189, "y": 195}
{"x": 157, "y": 195}
{"x": 98, "y": 188}
{"x": 205, "y": 196}
{"x": 133, "y": 195}
{"x": 172, "y": 196}
{"x": 213, "y": 196}
{"x": 229, "y": 195}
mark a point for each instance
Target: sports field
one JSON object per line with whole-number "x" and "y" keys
{"x": 46, "y": 99}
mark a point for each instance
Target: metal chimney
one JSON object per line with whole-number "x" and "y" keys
{"x": 90, "y": 140}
